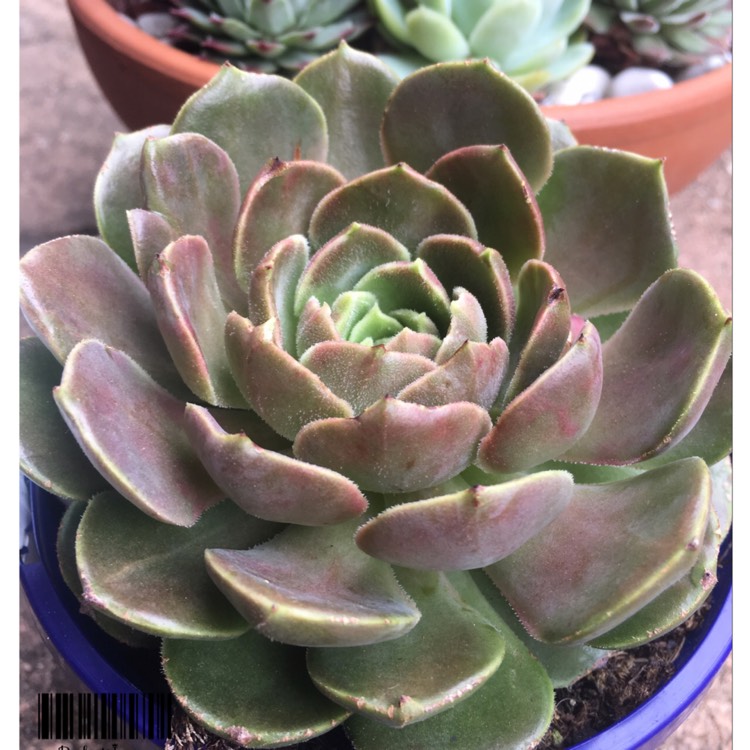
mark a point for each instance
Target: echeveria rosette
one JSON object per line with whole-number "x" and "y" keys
{"x": 535, "y": 42}
{"x": 356, "y": 403}
{"x": 266, "y": 36}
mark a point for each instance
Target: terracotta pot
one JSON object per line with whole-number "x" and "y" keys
{"x": 146, "y": 81}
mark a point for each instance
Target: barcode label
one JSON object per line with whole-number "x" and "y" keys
{"x": 103, "y": 716}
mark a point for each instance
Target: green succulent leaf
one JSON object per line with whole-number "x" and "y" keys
{"x": 273, "y": 284}
{"x": 283, "y": 392}
{"x": 344, "y": 260}
{"x": 619, "y": 191}
{"x": 118, "y": 188}
{"x": 711, "y": 438}
{"x": 362, "y": 375}
{"x": 248, "y": 690}
{"x": 563, "y": 664}
{"x": 313, "y": 587}
{"x": 281, "y": 119}
{"x": 151, "y": 232}
{"x": 467, "y": 529}
{"x": 66, "y": 558}
{"x": 388, "y": 682}
{"x": 193, "y": 183}
{"x": 544, "y": 420}
{"x": 671, "y": 352}
{"x": 139, "y": 447}
{"x": 505, "y": 210}
{"x": 151, "y": 575}
{"x": 352, "y": 89}
{"x": 412, "y": 134}
{"x": 189, "y": 312}
{"x": 542, "y": 325}
{"x": 267, "y": 484}
{"x": 675, "y": 605}
{"x": 396, "y": 199}
{"x": 462, "y": 263}
{"x": 572, "y": 581}
{"x": 513, "y": 709}
{"x": 76, "y": 288}
{"x": 473, "y": 373}
{"x": 394, "y": 446}
{"x": 49, "y": 454}
{"x": 279, "y": 203}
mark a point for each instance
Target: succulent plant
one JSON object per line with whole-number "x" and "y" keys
{"x": 668, "y": 33}
{"x": 376, "y": 411}
{"x": 268, "y": 35}
{"x": 536, "y": 42}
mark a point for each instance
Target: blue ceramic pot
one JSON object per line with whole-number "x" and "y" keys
{"x": 107, "y": 666}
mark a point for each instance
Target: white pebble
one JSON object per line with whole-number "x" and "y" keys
{"x": 706, "y": 66}
{"x": 585, "y": 85}
{"x": 127, "y": 18}
{"x": 157, "y": 24}
{"x": 638, "y": 81}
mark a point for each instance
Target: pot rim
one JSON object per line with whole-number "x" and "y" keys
{"x": 644, "y": 729}
{"x": 685, "y": 96}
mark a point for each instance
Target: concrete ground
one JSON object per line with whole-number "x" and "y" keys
{"x": 66, "y": 129}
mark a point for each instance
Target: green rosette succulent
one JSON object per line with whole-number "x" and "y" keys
{"x": 378, "y": 413}
{"x": 535, "y": 42}
{"x": 268, "y": 35}
{"x": 670, "y": 33}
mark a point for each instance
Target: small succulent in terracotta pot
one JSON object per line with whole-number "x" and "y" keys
{"x": 376, "y": 412}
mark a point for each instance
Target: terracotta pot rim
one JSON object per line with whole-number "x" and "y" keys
{"x": 101, "y": 18}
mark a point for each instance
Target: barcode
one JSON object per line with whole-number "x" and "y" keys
{"x": 103, "y": 716}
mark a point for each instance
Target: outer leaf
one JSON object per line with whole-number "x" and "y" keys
{"x": 352, "y": 88}
{"x": 139, "y": 447}
{"x": 118, "y": 188}
{"x": 504, "y": 209}
{"x": 563, "y": 664}
{"x": 660, "y": 370}
{"x": 512, "y": 710}
{"x": 313, "y": 587}
{"x": 190, "y": 314}
{"x": 458, "y": 91}
{"x": 50, "y": 456}
{"x": 621, "y": 212}
{"x": 283, "y": 392}
{"x": 711, "y": 438}
{"x": 254, "y": 118}
{"x": 66, "y": 558}
{"x": 551, "y": 414}
{"x": 467, "y": 529}
{"x": 388, "y": 681}
{"x": 394, "y": 446}
{"x": 193, "y": 183}
{"x": 675, "y": 605}
{"x": 279, "y": 203}
{"x": 271, "y": 703}
{"x": 462, "y": 263}
{"x": 152, "y": 576}
{"x": 76, "y": 288}
{"x": 574, "y": 581}
{"x": 396, "y": 199}
{"x": 267, "y": 484}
